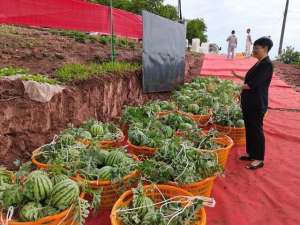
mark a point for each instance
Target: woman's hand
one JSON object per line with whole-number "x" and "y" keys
{"x": 237, "y": 75}
{"x": 246, "y": 87}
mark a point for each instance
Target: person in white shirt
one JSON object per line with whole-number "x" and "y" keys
{"x": 232, "y": 44}
{"x": 248, "y": 44}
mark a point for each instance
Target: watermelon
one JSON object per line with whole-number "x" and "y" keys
{"x": 142, "y": 202}
{"x": 114, "y": 157}
{"x": 67, "y": 139}
{"x": 37, "y": 186}
{"x": 97, "y": 130}
{"x": 185, "y": 126}
{"x": 135, "y": 136}
{"x": 193, "y": 108}
{"x": 85, "y": 135}
{"x": 30, "y": 212}
{"x": 58, "y": 178}
{"x": 167, "y": 131}
{"x": 99, "y": 156}
{"x": 105, "y": 173}
{"x": 12, "y": 196}
{"x": 64, "y": 194}
{"x": 240, "y": 123}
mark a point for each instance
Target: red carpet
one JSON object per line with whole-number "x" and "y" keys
{"x": 270, "y": 196}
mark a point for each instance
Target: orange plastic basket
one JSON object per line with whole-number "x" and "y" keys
{"x": 141, "y": 152}
{"x": 106, "y": 143}
{"x": 201, "y": 120}
{"x": 111, "y": 191}
{"x": 156, "y": 196}
{"x": 238, "y": 135}
{"x": 224, "y": 151}
{"x": 38, "y": 164}
{"x": 65, "y": 217}
{"x": 124, "y": 128}
{"x": 201, "y": 188}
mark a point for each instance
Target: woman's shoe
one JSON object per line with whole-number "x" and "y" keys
{"x": 254, "y": 166}
{"x": 246, "y": 158}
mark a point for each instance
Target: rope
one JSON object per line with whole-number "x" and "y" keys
{"x": 66, "y": 216}
{"x": 9, "y": 215}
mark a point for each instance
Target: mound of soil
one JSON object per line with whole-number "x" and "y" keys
{"x": 42, "y": 52}
{"x": 289, "y": 73}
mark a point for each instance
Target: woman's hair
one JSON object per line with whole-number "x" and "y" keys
{"x": 264, "y": 42}
{"x": 248, "y": 30}
{"x": 233, "y": 32}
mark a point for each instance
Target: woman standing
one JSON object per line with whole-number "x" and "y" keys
{"x": 248, "y": 44}
{"x": 254, "y": 102}
{"x": 232, "y": 44}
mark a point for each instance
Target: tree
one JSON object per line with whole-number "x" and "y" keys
{"x": 137, "y": 6}
{"x": 168, "y": 11}
{"x": 196, "y": 29}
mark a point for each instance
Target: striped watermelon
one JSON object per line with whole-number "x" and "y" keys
{"x": 64, "y": 194}
{"x": 97, "y": 130}
{"x": 37, "y": 186}
{"x": 105, "y": 173}
{"x": 86, "y": 135}
{"x": 58, "y": 178}
{"x": 193, "y": 108}
{"x": 30, "y": 212}
{"x": 67, "y": 139}
{"x": 115, "y": 157}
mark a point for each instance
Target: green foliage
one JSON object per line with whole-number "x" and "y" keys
{"x": 81, "y": 211}
{"x": 143, "y": 211}
{"x": 178, "y": 161}
{"x": 76, "y": 35}
{"x": 11, "y": 71}
{"x": 168, "y": 11}
{"x": 196, "y": 28}
{"x": 137, "y": 6}
{"x": 290, "y": 56}
{"x": 40, "y": 79}
{"x": 74, "y": 72}
{"x": 82, "y": 37}
{"x": 25, "y": 75}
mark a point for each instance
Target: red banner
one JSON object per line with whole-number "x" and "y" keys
{"x": 71, "y": 15}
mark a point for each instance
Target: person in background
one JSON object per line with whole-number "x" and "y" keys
{"x": 248, "y": 44}
{"x": 232, "y": 44}
{"x": 254, "y": 102}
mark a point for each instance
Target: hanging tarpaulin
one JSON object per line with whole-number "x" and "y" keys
{"x": 163, "y": 53}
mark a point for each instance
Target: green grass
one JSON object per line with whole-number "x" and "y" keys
{"x": 11, "y": 71}
{"x": 39, "y": 78}
{"x": 82, "y": 37}
{"x": 74, "y": 72}
{"x": 25, "y": 75}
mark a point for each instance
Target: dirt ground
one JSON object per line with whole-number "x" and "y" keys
{"x": 289, "y": 73}
{"x": 42, "y": 52}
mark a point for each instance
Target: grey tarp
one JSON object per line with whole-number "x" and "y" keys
{"x": 163, "y": 53}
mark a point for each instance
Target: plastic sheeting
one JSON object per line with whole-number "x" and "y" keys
{"x": 70, "y": 14}
{"x": 163, "y": 53}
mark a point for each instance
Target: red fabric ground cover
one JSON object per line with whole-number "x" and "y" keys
{"x": 270, "y": 196}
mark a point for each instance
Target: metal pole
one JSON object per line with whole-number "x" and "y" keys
{"x": 283, "y": 27}
{"x": 179, "y": 10}
{"x": 112, "y": 33}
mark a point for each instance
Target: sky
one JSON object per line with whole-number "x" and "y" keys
{"x": 264, "y": 17}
